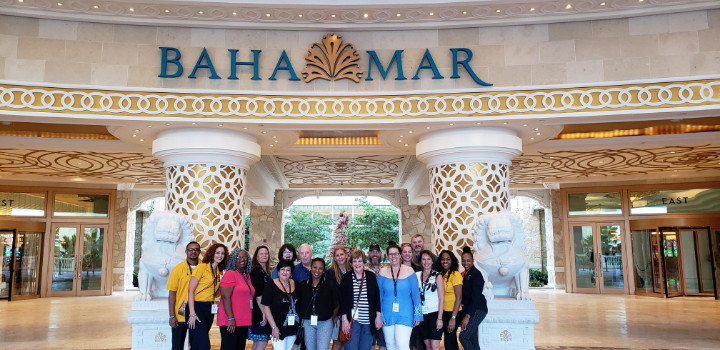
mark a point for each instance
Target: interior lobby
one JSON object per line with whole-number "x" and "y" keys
{"x": 606, "y": 113}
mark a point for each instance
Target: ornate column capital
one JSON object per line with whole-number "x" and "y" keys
{"x": 473, "y": 144}
{"x": 206, "y": 146}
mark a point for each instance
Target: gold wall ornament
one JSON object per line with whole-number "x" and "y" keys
{"x": 332, "y": 60}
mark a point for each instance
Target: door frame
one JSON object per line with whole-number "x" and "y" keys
{"x": 597, "y": 260}
{"x": 12, "y": 263}
{"x": 77, "y": 269}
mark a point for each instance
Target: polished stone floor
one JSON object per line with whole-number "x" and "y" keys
{"x": 567, "y": 321}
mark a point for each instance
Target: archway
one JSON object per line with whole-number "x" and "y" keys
{"x": 537, "y": 222}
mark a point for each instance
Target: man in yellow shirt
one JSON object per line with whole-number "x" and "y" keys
{"x": 177, "y": 285}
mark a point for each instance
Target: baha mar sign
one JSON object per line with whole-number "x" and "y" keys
{"x": 331, "y": 59}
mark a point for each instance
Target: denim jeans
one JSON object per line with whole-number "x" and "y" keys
{"x": 361, "y": 337}
{"x": 318, "y": 337}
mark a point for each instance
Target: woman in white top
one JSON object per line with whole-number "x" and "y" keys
{"x": 432, "y": 297}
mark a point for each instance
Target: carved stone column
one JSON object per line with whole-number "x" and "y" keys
{"x": 206, "y": 172}
{"x": 469, "y": 175}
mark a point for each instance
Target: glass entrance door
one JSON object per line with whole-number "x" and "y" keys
{"x": 79, "y": 260}
{"x": 597, "y": 258}
{"x": 20, "y": 264}
{"x": 688, "y": 261}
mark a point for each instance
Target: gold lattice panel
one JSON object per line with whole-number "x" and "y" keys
{"x": 459, "y": 193}
{"x": 212, "y": 196}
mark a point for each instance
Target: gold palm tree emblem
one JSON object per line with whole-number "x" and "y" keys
{"x": 332, "y": 60}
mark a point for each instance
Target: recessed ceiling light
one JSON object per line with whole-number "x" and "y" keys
{"x": 234, "y": 13}
{"x": 59, "y": 3}
{"x": 498, "y": 11}
{"x": 141, "y": 140}
{"x": 300, "y": 15}
{"x": 400, "y": 141}
{"x": 402, "y": 135}
{"x": 406, "y": 145}
{"x": 432, "y": 13}
{"x": 451, "y": 124}
{"x": 532, "y": 138}
{"x": 365, "y": 15}
{"x": 194, "y": 123}
{"x": 536, "y": 129}
{"x": 410, "y": 131}
{"x": 568, "y": 6}
{"x": 267, "y": 15}
{"x": 149, "y": 126}
{"x": 504, "y": 123}
{"x": 168, "y": 124}
{"x": 532, "y": 9}
{"x": 397, "y": 15}
{"x": 333, "y": 16}
{"x": 672, "y": 152}
{"x": 538, "y": 134}
{"x": 274, "y": 136}
{"x": 479, "y": 123}
{"x": 271, "y": 145}
{"x": 132, "y": 9}
{"x": 200, "y": 12}
{"x": 134, "y": 135}
{"x": 20, "y": 0}
{"x": 220, "y": 125}
{"x": 264, "y": 132}
{"x": 427, "y": 127}
{"x": 167, "y": 11}
{"x": 276, "y": 141}
{"x": 245, "y": 128}
{"x": 137, "y": 130}
{"x": 602, "y": 4}
{"x": 526, "y": 125}
{"x": 464, "y": 12}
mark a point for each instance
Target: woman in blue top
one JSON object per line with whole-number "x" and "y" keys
{"x": 399, "y": 301}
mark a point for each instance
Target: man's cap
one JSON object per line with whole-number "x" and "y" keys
{"x": 374, "y": 246}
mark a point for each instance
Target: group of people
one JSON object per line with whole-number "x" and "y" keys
{"x": 411, "y": 302}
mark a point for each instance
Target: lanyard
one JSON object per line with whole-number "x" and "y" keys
{"x": 392, "y": 274}
{"x": 315, "y": 291}
{"x": 292, "y": 301}
{"x": 246, "y": 281}
{"x": 425, "y": 285}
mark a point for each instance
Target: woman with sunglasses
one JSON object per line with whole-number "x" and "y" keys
{"x": 234, "y": 312}
{"x": 204, "y": 285}
{"x": 399, "y": 301}
{"x": 287, "y": 252}
{"x": 280, "y": 304}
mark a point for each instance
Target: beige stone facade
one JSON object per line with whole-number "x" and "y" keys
{"x": 657, "y": 46}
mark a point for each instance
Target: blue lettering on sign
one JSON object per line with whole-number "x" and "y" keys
{"x": 288, "y": 67}
{"x": 166, "y": 61}
{"x": 171, "y": 66}
{"x": 430, "y": 65}
{"x": 208, "y": 65}
{"x": 397, "y": 59}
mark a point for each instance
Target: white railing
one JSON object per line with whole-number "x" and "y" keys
{"x": 63, "y": 265}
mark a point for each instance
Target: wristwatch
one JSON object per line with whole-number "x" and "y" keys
{"x": 273, "y": 327}
{"x": 453, "y": 317}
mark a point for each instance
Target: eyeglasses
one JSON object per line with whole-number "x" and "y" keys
{"x": 193, "y": 249}
{"x": 287, "y": 251}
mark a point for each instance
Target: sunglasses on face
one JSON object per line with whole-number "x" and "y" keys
{"x": 193, "y": 249}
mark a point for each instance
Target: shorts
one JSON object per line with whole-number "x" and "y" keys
{"x": 427, "y": 329}
{"x": 257, "y": 332}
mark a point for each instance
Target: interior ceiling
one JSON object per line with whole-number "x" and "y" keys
{"x": 379, "y": 171}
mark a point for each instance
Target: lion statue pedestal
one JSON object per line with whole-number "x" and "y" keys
{"x": 164, "y": 238}
{"x": 500, "y": 256}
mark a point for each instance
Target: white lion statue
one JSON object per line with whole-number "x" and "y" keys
{"x": 500, "y": 255}
{"x": 164, "y": 238}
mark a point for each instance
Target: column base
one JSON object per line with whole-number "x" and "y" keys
{"x": 510, "y": 324}
{"x": 150, "y": 328}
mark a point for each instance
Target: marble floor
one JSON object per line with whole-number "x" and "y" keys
{"x": 567, "y": 321}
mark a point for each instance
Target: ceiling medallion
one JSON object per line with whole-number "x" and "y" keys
{"x": 332, "y": 60}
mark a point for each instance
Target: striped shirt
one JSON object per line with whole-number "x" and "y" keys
{"x": 362, "y": 315}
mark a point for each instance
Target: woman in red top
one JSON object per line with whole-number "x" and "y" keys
{"x": 235, "y": 313}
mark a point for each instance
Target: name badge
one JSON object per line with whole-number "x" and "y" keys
{"x": 251, "y": 304}
{"x": 291, "y": 320}
{"x": 313, "y": 320}
{"x": 214, "y": 308}
{"x": 396, "y": 307}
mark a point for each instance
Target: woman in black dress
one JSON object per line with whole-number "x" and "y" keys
{"x": 279, "y": 304}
